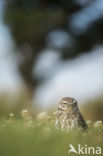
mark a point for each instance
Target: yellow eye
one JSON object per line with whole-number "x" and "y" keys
{"x": 65, "y": 102}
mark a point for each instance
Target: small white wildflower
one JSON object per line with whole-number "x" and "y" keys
{"x": 11, "y": 119}
{"x": 43, "y": 116}
{"x": 27, "y": 118}
{"x": 11, "y": 115}
{"x": 98, "y": 123}
{"x": 24, "y": 113}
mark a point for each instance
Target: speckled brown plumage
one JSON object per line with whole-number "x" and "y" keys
{"x": 68, "y": 115}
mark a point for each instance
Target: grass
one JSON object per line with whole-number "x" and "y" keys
{"x": 29, "y": 135}
{"x": 20, "y": 137}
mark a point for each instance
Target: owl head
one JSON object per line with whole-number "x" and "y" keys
{"x": 68, "y": 103}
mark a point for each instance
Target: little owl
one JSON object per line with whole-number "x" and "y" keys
{"x": 68, "y": 115}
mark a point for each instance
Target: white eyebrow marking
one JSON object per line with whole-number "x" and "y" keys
{"x": 74, "y": 101}
{"x": 65, "y": 102}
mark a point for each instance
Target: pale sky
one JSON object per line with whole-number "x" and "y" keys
{"x": 83, "y": 19}
{"x": 81, "y": 78}
{"x": 10, "y": 79}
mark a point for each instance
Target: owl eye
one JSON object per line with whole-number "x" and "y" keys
{"x": 74, "y": 102}
{"x": 65, "y": 103}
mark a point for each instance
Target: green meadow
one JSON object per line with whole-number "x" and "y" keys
{"x": 29, "y": 134}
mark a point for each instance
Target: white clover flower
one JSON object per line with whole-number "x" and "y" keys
{"x": 98, "y": 123}
{"x": 43, "y": 116}
{"x": 24, "y": 113}
{"x": 11, "y": 115}
{"x": 11, "y": 119}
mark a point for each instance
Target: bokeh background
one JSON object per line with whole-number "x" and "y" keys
{"x": 50, "y": 49}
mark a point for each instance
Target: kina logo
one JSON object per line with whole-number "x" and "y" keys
{"x": 85, "y": 149}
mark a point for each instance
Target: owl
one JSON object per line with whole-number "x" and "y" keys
{"x": 68, "y": 115}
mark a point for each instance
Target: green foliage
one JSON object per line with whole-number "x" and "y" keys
{"x": 32, "y": 25}
{"x": 29, "y": 136}
{"x": 43, "y": 140}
